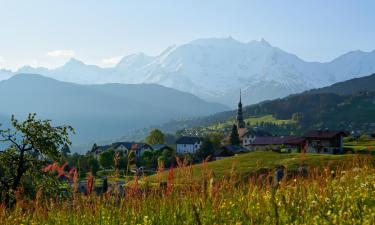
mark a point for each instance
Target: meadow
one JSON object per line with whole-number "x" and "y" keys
{"x": 335, "y": 192}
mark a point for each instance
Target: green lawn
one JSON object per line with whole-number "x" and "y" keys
{"x": 244, "y": 164}
{"x": 253, "y": 121}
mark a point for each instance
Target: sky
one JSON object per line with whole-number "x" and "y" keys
{"x": 48, "y": 33}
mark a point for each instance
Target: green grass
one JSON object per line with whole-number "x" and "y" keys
{"x": 252, "y": 121}
{"x": 245, "y": 164}
{"x": 341, "y": 196}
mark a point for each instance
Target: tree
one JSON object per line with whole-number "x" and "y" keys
{"x": 168, "y": 157}
{"x": 155, "y": 137}
{"x": 106, "y": 158}
{"x": 234, "y": 138}
{"x": 65, "y": 150}
{"x": 149, "y": 159}
{"x": 31, "y": 144}
{"x": 297, "y": 116}
{"x": 216, "y": 139}
{"x": 93, "y": 164}
{"x": 207, "y": 149}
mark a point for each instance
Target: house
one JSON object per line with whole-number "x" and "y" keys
{"x": 277, "y": 143}
{"x": 248, "y": 136}
{"x": 188, "y": 144}
{"x": 229, "y": 150}
{"x": 124, "y": 147}
{"x": 325, "y": 141}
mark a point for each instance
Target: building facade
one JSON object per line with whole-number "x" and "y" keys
{"x": 188, "y": 145}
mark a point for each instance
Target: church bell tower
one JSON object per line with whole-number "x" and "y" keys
{"x": 239, "y": 118}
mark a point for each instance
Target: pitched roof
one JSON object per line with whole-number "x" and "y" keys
{"x": 324, "y": 133}
{"x": 188, "y": 140}
{"x": 229, "y": 150}
{"x": 293, "y": 140}
{"x": 128, "y": 145}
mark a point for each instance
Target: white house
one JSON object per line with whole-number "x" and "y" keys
{"x": 188, "y": 144}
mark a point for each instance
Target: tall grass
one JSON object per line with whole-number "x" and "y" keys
{"x": 326, "y": 195}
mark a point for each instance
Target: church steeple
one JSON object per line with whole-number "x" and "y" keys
{"x": 239, "y": 118}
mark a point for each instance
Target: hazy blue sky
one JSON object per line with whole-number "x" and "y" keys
{"x": 47, "y": 33}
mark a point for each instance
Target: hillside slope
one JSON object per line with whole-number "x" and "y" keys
{"x": 98, "y": 111}
{"x": 245, "y": 164}
{"x": 348, "y": 105}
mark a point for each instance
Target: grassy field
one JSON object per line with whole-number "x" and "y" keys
{"x": 343, "y": 195}
{"x": 361, "y": 146}
{"x": 252, "y": 121}
{"x": 245, "y": 164}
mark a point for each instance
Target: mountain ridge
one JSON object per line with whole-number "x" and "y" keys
{"x": 98, "y": 111}
{"x": 215, "y": 69}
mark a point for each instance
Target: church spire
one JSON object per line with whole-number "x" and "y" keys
{"x": 239, "y": 118}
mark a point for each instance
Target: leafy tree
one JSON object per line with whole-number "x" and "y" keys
{"x": 32, "y": 143}
{"x": 168, "y": 157}
{"x": 149, "y": 159}
{"x": 155, "y": 137}
{"x": 93, "y": 164}
{"x": 234, "y": 138}
{"x": 216, "y": 139}
{"x": 106, "y": 158}
{"x": 65, "y": 150}
{"x": 207, "y": 149}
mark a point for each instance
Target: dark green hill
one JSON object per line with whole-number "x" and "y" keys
{"x": 349, "y": 87}
{"x": 348, "y": 105}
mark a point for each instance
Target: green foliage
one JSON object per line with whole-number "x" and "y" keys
{"x": 149, "y": 159}
{"x": 234, "y": 138}
{"x": 32, "y": 143}
{"x": 168, "y": 158}
{"x": 341, "y": 195}
{"x": 155, "y": 137}
{"x": 65, "y": 150}
{"x": 207, "y": 149}
{"x": 106, "y": 158}
{"x": 93, "y": 164}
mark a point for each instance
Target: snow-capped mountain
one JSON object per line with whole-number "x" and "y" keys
{"x": 217, "y": 68}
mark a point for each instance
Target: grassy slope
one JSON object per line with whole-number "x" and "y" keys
{"x": 245, "y": 164}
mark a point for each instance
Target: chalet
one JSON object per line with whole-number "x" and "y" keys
{"x": 289, "y": 143}
{"x": 188, "y": 144}
{"x": 325, "y": 141}
{"x": 125, "y": 147}
{"x": 248, "y": 136}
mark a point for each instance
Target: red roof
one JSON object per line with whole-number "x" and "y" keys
{"x": 293, "y": 140}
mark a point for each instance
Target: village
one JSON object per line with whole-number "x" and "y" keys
{"x": 241, "y": 139}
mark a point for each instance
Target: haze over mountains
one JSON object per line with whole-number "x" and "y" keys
{"x": 215, "y": 69}
{"x": 97, "y": 112}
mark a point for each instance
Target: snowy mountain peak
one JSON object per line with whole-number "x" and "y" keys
{"x": 216, "y": 68}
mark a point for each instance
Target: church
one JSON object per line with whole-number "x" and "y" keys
{"x": 245, "y": 133}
